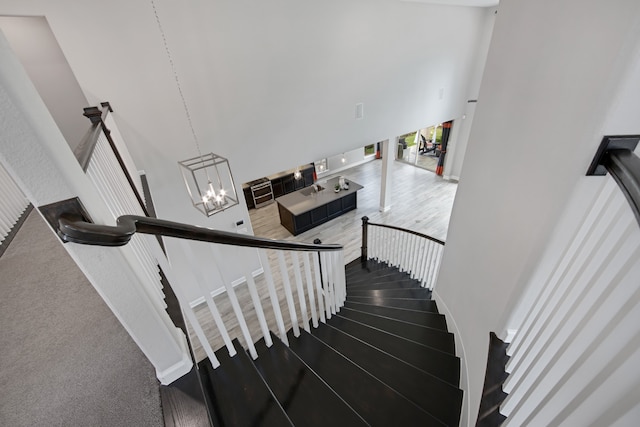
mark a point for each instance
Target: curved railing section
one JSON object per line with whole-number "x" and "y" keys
{"x": 616, "y": 156}
{"x": 576, "y": 325}
{"x": 305, "y": 281}
{"x": 411, "y": 252}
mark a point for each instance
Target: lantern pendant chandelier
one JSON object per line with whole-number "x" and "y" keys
{"x": 207, "y": 177}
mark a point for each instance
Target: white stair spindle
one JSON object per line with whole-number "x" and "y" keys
{"x": 322, "y": 302}
{"x": 286, "y": 283}
{"x": 310, "y": 290}
{"x": 202, "y": 281}
{"x": 303, "y": 305}
{"x": 255, "y": 298}
{"x": 264, "y": 259}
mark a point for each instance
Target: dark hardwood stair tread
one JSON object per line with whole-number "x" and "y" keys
{"x": 494, "y": 419}
{"x": 491, "y": 402}
{"x": 431, "y": 320}
{"x": 435, "y": 338}
{"x": 390, "y": 293}
{"x": 368, "y": 266}
{"x": 374, "y": 401}
{"x": 443, "y": 365}
{"x": 425, "y": 305}
{"x": 395, "y": 284}
{"x": 306, "y": 399}
{"x": 439, "y": 398}
{"x": 385, "y": 276}
{"x": 237, "y": 394}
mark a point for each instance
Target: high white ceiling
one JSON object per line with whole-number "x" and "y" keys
{"x": 268, "y": 85}
{"x": 472, "y": 3}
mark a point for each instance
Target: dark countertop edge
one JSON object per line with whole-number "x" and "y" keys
{"x": 297, "y": 203}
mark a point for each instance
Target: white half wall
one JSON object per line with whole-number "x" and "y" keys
{"x": 35, "y": 154}
{"x": 544, "y": 102}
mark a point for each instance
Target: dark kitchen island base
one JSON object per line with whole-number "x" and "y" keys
{"x": 308, "y": 211}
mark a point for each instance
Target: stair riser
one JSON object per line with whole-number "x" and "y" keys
{"x": 403, "y": 284}
{"x": 391, "y": 293}
{"x": 418, "y": 305}
{"x": 391, "y": 276}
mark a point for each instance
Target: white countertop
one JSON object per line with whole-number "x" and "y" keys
{"x": 297, "y": 203}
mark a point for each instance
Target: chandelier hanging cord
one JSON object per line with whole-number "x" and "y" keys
{"x": 205, "y": 197}
{"x": 175, "y": 76}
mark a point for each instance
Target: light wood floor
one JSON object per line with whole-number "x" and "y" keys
{"x": 421, "y": 201}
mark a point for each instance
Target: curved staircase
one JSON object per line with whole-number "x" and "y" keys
{"x": 386, "y": 358}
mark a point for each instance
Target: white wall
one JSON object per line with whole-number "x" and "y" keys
{"x": 34, "y": 44}
{"x": 544, "y": 99}
{"x": 351, "y": 158}
{"x": 459, "y": 138}
{"x": 257, "y": 77}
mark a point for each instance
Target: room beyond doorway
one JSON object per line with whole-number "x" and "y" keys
{"x": 421, "y": 202}
{"x": 421, "y": 148}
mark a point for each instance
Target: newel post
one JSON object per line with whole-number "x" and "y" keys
{"x": 363, "y": 253}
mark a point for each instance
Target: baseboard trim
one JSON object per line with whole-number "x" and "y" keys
{"x": 196, "y": 302}
{"x": 178, "y": 370}
{"x": 461, "y": 353}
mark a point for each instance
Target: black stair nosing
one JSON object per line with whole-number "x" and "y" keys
{"x": 383, "y": 275}
{"x": 420, "y": 318}
{"x": 303, "y": 395}
{"x": 493, "y": 419}
{"x": 391, "y": 284}
{"x": 366, "y": 275}
{"x": 436, "y": 396}
{"x": 496, "y": 382}
{"x": 237, "y": 394}
{"x": 367, "y": 264}
{"x": 443, "y": 365}
{"x": 391, "y": 293}
{"x": 359, "y": 263}
{"x": 490, "y": 402}
{"x": 358, "y": 387}
{"x": 369, "y": 268}
{"x": 425, "y": 305}
{"x": 430, "y": 337}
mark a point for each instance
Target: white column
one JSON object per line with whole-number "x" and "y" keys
{"x": 38, "y": 158}
{"x": 387, "y": 171}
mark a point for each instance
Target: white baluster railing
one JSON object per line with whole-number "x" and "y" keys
{"x": 320, "y": 291}
{"x": 13, "y": 203}
{"x": 414, "y": 253}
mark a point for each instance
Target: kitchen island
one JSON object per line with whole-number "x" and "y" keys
{"x": 307, "y": 208}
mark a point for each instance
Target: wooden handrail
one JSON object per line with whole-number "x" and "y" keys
{"x": 393, "y": 227}
{"x": 616, "y": 156}
{"x": 72, "y": 225}
{"x": 624, "y": 167}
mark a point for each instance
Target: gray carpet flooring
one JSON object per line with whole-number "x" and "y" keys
{"x": 65, "y": 360}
